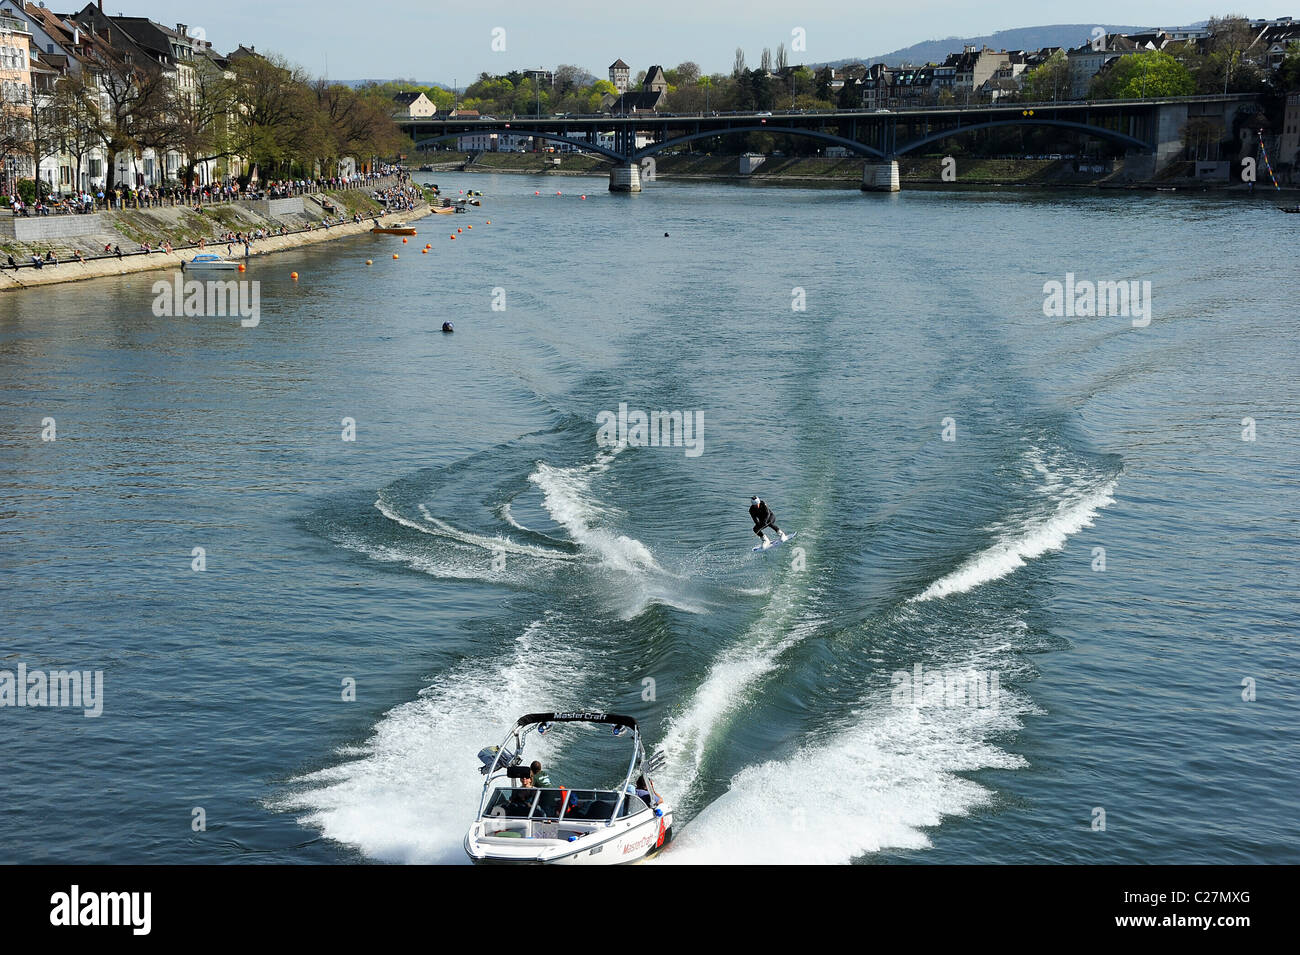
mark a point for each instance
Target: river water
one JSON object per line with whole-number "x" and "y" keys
{"x": 1071, "y": 513}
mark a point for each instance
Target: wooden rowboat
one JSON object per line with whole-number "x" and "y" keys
{"x": 394, "y": 230}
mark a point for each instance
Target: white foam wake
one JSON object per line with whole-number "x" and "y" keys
{"x": 728, "y": 683}
{"x": 411, "y": 794}
{"x": 435, "y": 526}
{"x": 638, "y": 580}
{"x": 567, "y": 496}
{"x": 1016, "y": 545}
{"x": 873, "y": 785}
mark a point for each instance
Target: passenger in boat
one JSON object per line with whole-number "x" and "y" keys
{"x": 646, "y": 791}
{"x": 539, "y": 778}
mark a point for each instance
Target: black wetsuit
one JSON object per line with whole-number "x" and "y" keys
{"x": 762, "y": 517}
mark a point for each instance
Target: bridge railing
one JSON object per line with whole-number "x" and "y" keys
{"x": 787, "y": 113}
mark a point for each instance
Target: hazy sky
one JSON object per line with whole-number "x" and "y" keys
{"x": 449, "y": 42}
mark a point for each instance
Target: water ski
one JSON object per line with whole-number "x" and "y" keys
{"x": 774, "y": 542}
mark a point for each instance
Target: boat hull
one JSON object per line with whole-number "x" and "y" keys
{"x": 623, "y": 845}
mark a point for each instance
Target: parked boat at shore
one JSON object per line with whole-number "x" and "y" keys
{"x": 393, "y": 230}
{"x": 209, "y": 262}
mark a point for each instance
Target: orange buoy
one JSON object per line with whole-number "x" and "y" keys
{"x": 458, "y": 231}
{"x": 403, "y": 242}
{"x": 452, "y": 236}
{"x": 241, "y": 266}
{"x": 582, "y": 197}
{"x": 489, "y": 222}
{"x": 469, "y": 227}
{"x": 536, "y": 193}
{"x": 394, "y": 255}
{"x": 424, "y": 251}
{"x": 368, "y": 262}
{"x": 558, "y": 193}
{"x": 294, "y": 276}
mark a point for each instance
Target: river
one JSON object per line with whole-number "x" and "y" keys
{"x": 1092, "y": 518}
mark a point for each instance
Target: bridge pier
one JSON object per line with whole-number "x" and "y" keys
{"x": 625, "y": 177}
{"x": 880, "y": 176}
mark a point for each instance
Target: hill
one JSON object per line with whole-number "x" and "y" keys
{"x": 1022, "y": 38}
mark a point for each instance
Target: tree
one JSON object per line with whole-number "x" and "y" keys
{"x": 1139, "y": 75}
{"x": 1199, "y": 134}
{"x": 824, "y": 77}
{"x": 781, "y": 61}
{"x": 738, "y": 66}
{"x": 1288, "y": 74}
{"x": 761, "y": 87}
{"x": 687, "y": 73}
{"x": 277, "y": 117}
{"x": 765, "y": 62}
{"x": 850, "y": 96}
{"x": 80, "y": 120}
{"x": 569, "y": 78}
{"x": 44, "y": 127}
{"x": 13, "y": 141}
{"x": 136, "y": 98}
{"x": 202, "y": 120}
{"x": 1050, "y": 80}
{"x": 1230, "y": 37}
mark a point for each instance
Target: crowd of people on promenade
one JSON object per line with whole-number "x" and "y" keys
{"x": 397, "y": 192}
{"x": 229, "y": 190}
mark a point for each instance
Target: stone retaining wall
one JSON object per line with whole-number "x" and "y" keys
{"x": 274, "y": 207}
{"x": 42, "y": 228}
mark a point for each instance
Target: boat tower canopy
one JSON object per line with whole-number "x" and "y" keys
{"x": 613, "y": 718}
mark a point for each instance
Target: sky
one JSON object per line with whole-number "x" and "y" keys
{"x": 453, "y": 43}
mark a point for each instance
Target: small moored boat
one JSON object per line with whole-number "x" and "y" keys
{"x": 525, "y": 824}
{"x": 393, "y": 230}
{"x": 209, "y": 262}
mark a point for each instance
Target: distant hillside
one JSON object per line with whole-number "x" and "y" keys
{"x": 1023, "y": 38}
{"x": 355, "y": 83}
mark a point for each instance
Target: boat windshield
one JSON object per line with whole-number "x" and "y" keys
{"x": 592, "y": 805}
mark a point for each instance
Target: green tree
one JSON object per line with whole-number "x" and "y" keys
{"x": 1050, "y": 80}
{"x": 1139, "y": 75}
{"x": 1288, "y": 74}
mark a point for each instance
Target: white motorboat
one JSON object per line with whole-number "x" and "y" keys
{"x": 521, "y": 823}
{"x": 209, "y": 262}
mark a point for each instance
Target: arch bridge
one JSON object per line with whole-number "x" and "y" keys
{"x": 1149, "y": 130}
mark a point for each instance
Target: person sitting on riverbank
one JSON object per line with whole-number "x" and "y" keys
{"x": 117, "y": 250}
{"x": 51, "y": 257}
{"x": 36, "y": 261}
{"x": 12, "y": 264}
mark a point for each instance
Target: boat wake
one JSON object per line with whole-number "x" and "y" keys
{"x": 620, "y": 571}
{"x": 871, "y": 786}
{"x": 1070, "y": 497}
{"x": 408, "y": 793}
